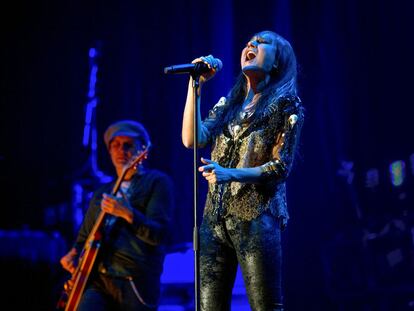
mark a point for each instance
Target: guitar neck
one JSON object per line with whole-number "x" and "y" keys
{"x": 118, "y": 182}
{"x": 96, "y": 231}
{"x": 101, "y": 217}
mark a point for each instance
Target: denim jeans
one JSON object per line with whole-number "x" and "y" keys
{"x": 254, "y": 245}
{"x": 105, "y": 293}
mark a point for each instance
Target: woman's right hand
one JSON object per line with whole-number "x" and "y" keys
{"x": 212, "y": 63}
{"x": 68, "y": 261}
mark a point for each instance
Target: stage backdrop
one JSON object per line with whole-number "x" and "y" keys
{"x": 356, "y": 64}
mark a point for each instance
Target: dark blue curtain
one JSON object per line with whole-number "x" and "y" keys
{"x": 355, "y": 60}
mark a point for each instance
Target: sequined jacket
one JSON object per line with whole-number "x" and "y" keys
{"x": 267, "y": 140}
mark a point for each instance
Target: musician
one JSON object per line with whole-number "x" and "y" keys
{"x": 253, "y": 132}
{"x": 126, "y": 273}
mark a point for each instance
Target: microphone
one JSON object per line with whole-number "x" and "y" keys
{"x": 197, "y": 68}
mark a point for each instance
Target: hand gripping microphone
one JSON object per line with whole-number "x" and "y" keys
{"x": 197, "y": 68}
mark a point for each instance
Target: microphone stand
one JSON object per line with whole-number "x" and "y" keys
{"x": 196, "y": 85}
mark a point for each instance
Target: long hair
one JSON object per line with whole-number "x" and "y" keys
{"x": 282, "y": 82}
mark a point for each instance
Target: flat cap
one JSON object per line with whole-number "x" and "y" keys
{"x": 128, "y": 128}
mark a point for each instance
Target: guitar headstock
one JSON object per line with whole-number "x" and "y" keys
{"x": 137, "y": 158}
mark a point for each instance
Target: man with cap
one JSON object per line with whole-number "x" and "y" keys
{"x": 127, "y": 272}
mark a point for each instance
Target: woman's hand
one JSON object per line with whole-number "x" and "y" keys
{"x": 212, "y": 64}
{"x": 214, "y": 173}
{"x": 118, "y": 207}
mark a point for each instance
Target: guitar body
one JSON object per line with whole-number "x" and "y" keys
{"x": 74, "y": 288}
{"x": 81, "y": 275}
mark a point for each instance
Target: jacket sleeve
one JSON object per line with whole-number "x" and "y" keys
{"x": 153, "y": 226}
{"x": 210, "y": 122}
{"x": 285, "y": 140}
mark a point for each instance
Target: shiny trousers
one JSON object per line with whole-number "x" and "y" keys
{"x": 255, "y": 246}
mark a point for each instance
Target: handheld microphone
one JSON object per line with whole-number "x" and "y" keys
{"x": 197, "y": 68}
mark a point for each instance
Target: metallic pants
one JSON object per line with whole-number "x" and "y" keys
{"x": 254, "y": 245}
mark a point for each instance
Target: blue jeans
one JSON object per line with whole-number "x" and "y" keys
{"x": 254, "y": 245}
{"x": 105, "y": 293}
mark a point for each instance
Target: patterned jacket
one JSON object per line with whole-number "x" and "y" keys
{"x": 267, "y": 140}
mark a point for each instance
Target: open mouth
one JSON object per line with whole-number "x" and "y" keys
{"x": 250, "y": 55}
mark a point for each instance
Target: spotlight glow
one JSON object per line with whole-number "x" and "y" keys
{"x": 397, "y": 173}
